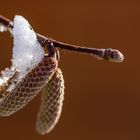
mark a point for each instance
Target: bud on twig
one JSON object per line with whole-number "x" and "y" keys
{"x": 113, "y": 55}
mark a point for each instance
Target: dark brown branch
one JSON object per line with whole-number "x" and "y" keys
{"x": 106, "y": 54}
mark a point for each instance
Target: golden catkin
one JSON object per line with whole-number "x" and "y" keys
{"x": 51, "y": 103}
{"x": 28, "y": 87}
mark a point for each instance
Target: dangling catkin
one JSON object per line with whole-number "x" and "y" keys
{"x": 51, "y": 103}
{"x": 28, "y": 87}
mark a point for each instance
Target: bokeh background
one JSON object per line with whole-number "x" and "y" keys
{"x": 102, "y": 99}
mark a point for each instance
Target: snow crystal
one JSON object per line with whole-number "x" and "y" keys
{"x": 1, "y": 81}
{"x": 8, "y": 73}
{"x": 2, "y": 28}
{"x": 27, "y": 52}
{"x": 5, "y": 76}
{"x": 10, "y": 87}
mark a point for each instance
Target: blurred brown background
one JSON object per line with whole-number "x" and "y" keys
{"x": 102, "y": 99}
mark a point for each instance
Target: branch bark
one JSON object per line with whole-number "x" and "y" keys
{"x": 105, "y": 54}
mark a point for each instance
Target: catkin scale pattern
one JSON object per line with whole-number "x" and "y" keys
{"x": 29, "y": 86}
{"x": 52, "y": 97}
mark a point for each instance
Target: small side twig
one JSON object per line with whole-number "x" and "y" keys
{"x": 105, "y": 54}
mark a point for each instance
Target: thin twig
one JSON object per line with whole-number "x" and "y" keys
{"x": 106, "y": 54}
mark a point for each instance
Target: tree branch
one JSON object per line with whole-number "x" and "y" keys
{"x": 105, "y": 54}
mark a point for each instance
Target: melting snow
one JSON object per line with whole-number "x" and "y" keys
{"x": 27, "y": 52}
{"x": 6, "y": 75}
{"x": 2, "y": 28}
